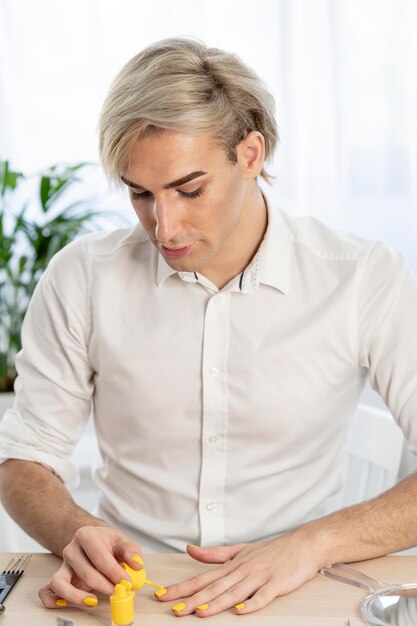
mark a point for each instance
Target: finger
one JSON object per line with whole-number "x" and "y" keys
{"x": 219, "y": 595}
{"x": 194, "y": 584}
{"x": 231, "y": 597}
{"x": 49, "y": 598}
{"x": 105, "y": 549}
{"x": 214, "y": 554}
{"x": 106, "y": 566}
{"x": 88, "y": 573}
{"x": 126, "y": 551}
{"x": 52, "y": 600}
{"x": 259, "y": 600}
{"x": 62, "y": 587}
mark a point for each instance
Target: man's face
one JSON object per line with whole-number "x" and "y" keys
{"x": 190, "y": 199}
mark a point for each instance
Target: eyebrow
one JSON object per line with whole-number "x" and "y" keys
{"x": 174, "y": 183}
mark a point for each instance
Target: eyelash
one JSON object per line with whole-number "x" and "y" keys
{"x": 145, "y": 194}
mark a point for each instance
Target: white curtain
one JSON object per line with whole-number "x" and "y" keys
{"x": 344, "y": 75}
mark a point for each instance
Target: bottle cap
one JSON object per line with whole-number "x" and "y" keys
{"x": 121, "y": 604}
{"x": 138, "y": 576}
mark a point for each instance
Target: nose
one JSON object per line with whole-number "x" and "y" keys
{"x": 166, "y": 222}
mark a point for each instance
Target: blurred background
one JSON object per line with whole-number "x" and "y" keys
{"x": 343, "y": 73}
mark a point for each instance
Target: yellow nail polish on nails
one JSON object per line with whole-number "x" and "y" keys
{"x": 240, "y": 606}
{"x": 178, "y": 607}
{"x": 203, "y": 607}
{"x": 90, "y": 601}
{"x": 161, "y": 592}
{"x": 61, "y": 602}
{"x": 192, "y": 545}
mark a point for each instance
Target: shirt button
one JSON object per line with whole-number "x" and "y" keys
{"x": 218, "y": 300}
{"x": 213, "y": 371}
{"x": 212, "y": 439}
{"x": 210, "y": 506}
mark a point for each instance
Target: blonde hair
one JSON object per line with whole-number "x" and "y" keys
{"x": 181, "y": 85}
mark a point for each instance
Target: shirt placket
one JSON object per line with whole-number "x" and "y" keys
{"x": 214, "y": 427}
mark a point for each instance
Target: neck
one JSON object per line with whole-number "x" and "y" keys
{"x": 244, "y": 241}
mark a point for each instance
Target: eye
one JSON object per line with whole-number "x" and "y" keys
{"x": 192, "y": 194}
{"x": 135, "y": 195}
{"x": 143, "y": 195}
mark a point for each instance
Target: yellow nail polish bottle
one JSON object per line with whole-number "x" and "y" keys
{"x": 121, "y": 604}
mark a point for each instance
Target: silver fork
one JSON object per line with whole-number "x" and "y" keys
{"x": 11, "y": 574}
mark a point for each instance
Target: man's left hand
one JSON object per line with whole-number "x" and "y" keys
{"x": 250, "y": 575}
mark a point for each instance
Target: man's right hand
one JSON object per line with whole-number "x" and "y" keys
{"x": 91, "y": 563}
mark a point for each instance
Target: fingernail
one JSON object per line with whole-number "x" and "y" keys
{"x": 192, "y": 545}
{"x": 161, "y": 592}
{"x": 126, "y": 583}
{"x": 61, "y": 602}
{"x": 90, "y": 601}
{"x": 203, "y": 607}
{"x": 240, "y": 606}
{"x": 178, "y": 607}
{"x": 137, "y": 558}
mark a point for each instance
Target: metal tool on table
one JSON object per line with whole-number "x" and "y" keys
{"x": 386, "y": 604}
{"x": 62, "y": 621}
{"x": 10, "y": 576}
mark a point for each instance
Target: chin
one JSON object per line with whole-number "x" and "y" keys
{"x": 181, "y": 265}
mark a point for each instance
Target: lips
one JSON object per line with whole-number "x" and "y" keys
{"x": 176, "y": 252}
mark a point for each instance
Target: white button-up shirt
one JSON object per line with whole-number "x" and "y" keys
{"x": 221, "y": 416}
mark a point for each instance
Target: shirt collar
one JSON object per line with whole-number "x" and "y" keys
{"x": 275, "y": 269}
{"x": 270, "y": 266}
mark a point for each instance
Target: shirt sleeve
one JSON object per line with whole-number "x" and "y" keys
{"x": 387, "y": 326}
{"x": 55, "y": 380}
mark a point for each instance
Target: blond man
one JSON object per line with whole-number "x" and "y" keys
{"x": 223, "y": 346}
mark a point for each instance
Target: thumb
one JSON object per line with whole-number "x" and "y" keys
{"x": 214, "y": 554}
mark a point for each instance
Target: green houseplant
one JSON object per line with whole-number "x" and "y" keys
{"x": 27, "y": 243}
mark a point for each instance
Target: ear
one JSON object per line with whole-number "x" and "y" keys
{"x": 251, "y": 154}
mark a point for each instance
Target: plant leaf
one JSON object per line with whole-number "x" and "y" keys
{"x": 8, "y": 178}
{"x": 44, "y": 188}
